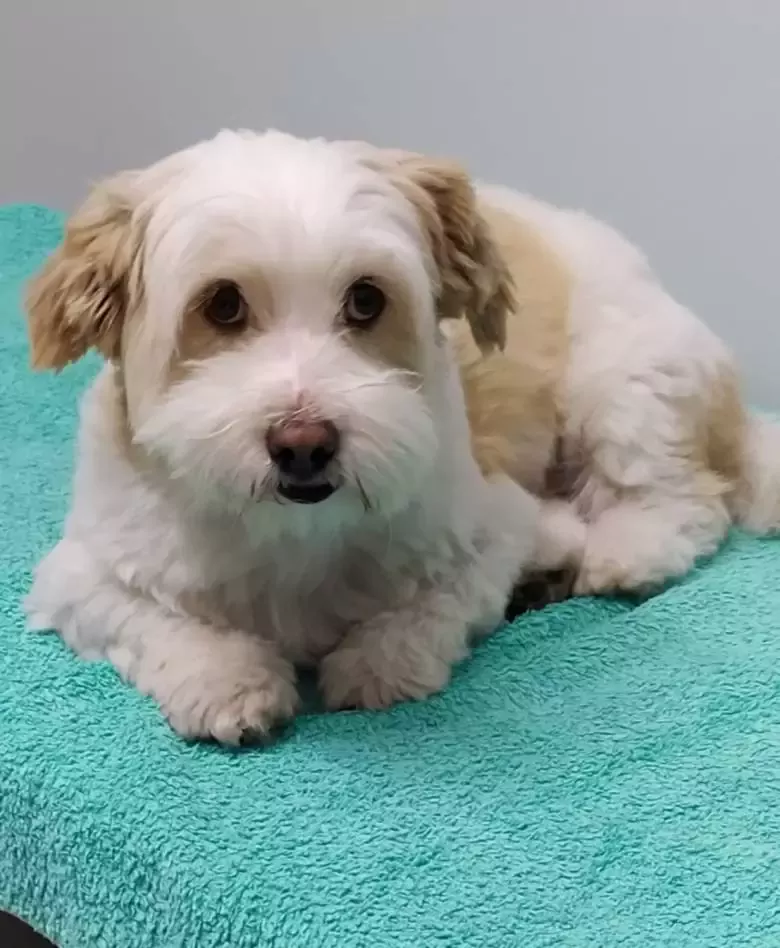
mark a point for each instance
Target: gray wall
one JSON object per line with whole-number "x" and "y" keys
{"x": 662, "y": 116}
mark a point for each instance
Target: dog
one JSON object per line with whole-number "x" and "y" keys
{"x": 349, "y": 399}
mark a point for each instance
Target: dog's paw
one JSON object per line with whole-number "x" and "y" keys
{"x": 601, "y": 575}
{"x": 360, "y": 676}
{"x": 637, "y": 561}
{"x": 214, "y": 684}
{"x": 233, "y": 710}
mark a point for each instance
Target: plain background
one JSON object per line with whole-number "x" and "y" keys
{"x": 660, "y": 116}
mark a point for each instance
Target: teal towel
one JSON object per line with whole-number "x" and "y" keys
{"x": 597, "y": 775}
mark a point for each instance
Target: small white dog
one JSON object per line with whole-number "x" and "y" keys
{"x": 289, "y": 458}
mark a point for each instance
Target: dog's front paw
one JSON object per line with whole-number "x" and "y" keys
{"x": 364, "y": 675}
{"x": 231, "y": 708}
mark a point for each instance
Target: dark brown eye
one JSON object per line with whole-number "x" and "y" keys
{"x": 225, "y": 307}
{"x": 364, "y": 303}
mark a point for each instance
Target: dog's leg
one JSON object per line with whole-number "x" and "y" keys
{"x": 658, "y": 429}
{"x": 408, "y": 652}
{"x": 651, "y": 506}
{"x": 637, "y": 545}
{"x": 210, "y": 682}
{"x": 400, "y": 655}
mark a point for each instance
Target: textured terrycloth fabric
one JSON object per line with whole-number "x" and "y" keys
{"x": 597, "y": 775}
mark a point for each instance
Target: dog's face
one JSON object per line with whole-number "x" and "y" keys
{"x": 273, "y": 306}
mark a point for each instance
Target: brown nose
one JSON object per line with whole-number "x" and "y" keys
{"x": 302, "y": 449}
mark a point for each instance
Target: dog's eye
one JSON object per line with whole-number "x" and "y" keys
{"x": 225, "y": 307}
{"x": 364, "y": 303}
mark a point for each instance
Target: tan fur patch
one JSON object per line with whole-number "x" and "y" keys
{"x": 199, "y": 340}
{"x": 726, "y": 429}
{"x": 719, "y": 428}
{"x": 80, "y": 297}
{"x": 514, "y": 398}
{"x": 393, "y": 339}
{"x": 512, "y": 418}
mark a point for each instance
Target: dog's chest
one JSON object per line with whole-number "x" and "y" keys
{"x": 307, "y": 612}
{"x": 306, "y": 589}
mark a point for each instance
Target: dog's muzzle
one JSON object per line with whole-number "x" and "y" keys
{"x": 303, "y": 453}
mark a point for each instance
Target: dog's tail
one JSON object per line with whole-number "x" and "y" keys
{"x": 757, "y": 498}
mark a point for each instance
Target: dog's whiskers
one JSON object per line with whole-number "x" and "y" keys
{"x": 367, "y": 505}
{"x": 390, "y": 377}
{"x": 216, "y": 432}
{"x": 262, "y": 486}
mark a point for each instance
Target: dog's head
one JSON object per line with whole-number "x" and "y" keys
{"x": 272, "y": 306}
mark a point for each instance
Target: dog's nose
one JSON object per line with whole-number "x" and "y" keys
{"x": 302, "y": 449}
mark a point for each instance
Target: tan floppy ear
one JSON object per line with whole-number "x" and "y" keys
{"x": 475, "y": 280}
{"x": 79, "y": 298}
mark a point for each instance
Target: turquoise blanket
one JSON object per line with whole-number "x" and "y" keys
{"x": 598, "y": 774}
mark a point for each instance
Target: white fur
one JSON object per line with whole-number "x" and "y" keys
{"x": 177, "y": 564}
{"x": 758, "y": 501}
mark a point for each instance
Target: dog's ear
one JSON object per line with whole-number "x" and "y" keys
{"x": 79, "y": 298}
{"x": 474, "y": 279}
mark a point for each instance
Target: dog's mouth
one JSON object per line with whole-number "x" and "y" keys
{"x": 302, "y": 493}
